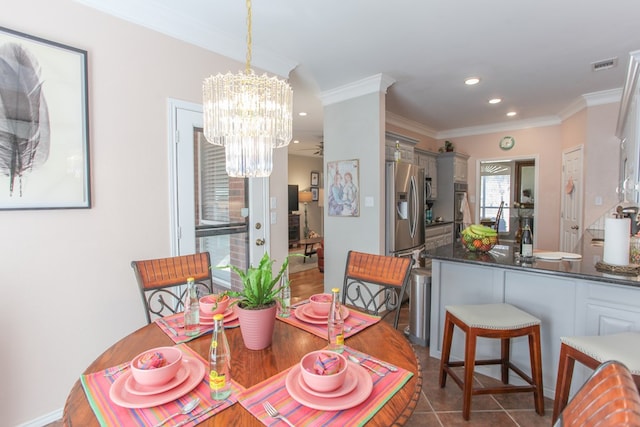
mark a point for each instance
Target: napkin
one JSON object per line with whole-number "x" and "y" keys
{"x": 326, "y": 364}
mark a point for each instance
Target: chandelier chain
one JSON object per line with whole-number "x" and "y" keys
{"x": 249, "y": 41}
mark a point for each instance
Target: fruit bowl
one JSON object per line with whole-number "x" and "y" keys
{"x": 478, "y": 238}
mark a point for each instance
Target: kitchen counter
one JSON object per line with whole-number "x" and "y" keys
{"x": 571, "y": 298}
{"x": 505, "y": 256}
{"x": 434, "y": 223}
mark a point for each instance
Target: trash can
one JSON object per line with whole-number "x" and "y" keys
{"x": 419, "y": 307}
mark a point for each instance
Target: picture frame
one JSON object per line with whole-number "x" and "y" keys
{"x": 314, "y": 194}
{"x": 48, "y": 82}
{"x": 343, "y": 193}
{"x": 315, "y": 178}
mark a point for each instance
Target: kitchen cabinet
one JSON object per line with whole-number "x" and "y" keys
{"x": 452, "y": 171}
{"x": 406, "y": 146}
{"x": 628, "y": 131}
{"x": 429, "y": 161}
{"x": 438, "y": 235}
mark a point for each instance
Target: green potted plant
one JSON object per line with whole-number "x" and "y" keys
{"x": 256, "y": 302}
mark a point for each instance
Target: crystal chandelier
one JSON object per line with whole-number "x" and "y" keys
{"x": 249, "y": 115}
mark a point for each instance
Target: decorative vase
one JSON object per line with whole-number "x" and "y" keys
{"x": 257, "y": 326}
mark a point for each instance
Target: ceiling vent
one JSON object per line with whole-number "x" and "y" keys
{"x": 605, "y": 64}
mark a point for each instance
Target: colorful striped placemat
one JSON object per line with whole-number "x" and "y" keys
{"x": 356, "y": 321}
{"x": 96, "y": 387}
{"x": 274, "y": 390}
{"x": 176, "y": 322}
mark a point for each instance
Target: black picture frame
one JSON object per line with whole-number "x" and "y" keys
{"x": 48, "y": 124}
{"x": 314, "y": 194}
{"x": 315, "y": 178}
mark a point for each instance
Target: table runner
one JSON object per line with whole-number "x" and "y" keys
{"x": 96, "y": 387}
{"x": 176, "y": 321}
{"x": 356, "y": 320}
{"x": 275, "y": 391}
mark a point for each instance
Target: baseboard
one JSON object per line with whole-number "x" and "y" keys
{"x": 44, "y": 419}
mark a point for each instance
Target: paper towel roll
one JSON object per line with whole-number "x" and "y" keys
{"x": 616, "y": 241}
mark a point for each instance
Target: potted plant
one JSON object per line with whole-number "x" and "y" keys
{"x": 256, "y": 303}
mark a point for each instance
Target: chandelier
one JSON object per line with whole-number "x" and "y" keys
{"x": 249, "y": 115}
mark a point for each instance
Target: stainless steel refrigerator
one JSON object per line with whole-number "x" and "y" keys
{"x": 404, "y": 208}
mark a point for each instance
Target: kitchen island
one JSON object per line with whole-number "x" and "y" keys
{"x": 570, "y": 297}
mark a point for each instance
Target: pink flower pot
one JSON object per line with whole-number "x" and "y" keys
{"x": 257, "y": 326}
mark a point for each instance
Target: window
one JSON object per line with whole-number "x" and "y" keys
{"x": 495, "y": 188}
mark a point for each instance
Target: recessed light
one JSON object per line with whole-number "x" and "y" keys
{"x": 302, "y": 113}
{"x": 295, "y": 141}
{"x": 511, "y": 113}
{"x": 472, "y": 81}
{"x": 495, "y": 101}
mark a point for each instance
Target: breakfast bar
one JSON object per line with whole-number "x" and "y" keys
{"x": 569, "y": 295}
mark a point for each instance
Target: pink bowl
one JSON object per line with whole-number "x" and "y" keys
{"x": 210, "y": 304}
{"x": 157, "y": 376}
{"x": 320, "y": 303}
{"x": 322, "y": 383}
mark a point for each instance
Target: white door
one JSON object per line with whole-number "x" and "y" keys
{"x": 210, "y": 211}
{"x": 571, "y": 206}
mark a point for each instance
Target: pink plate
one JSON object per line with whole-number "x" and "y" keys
{"x": 350, "y": 382}
{"x": 229, "y": 315}
{"x": 133, "y": 387}
{"x": 120, "y": 396}
{"x": 302, "y": 314}
{"x": 364, "y": 386}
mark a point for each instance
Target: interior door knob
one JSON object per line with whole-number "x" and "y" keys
{"x": 259, "y": 242}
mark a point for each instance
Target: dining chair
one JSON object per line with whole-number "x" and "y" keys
{"x": 376, "y": 283}
{"x": 609, "y": 398}
{"x": 160, "y": 281}
{"x": 498, "y": 218}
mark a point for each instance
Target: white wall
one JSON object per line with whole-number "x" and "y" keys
{"x": 68, "y": 289}
{"x": 300, "y": 168}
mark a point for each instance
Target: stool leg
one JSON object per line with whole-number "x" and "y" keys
{"x": 469, "y": 366}
{"x": 536, "y": 369}
{"x": 563, "y": 383}
{"x": 446, "y": 349}
{"x": 504, "y": 359}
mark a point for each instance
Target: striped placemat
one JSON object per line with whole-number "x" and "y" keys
{"x": 96, "y": 387}
{"x": 275, "y": 391}
{"x": 176, "y": 322}
{"x": 356, "y": 321}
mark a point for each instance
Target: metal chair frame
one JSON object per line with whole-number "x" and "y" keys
{"x": 161, "y": 281}
{"x": 389, "y": 274}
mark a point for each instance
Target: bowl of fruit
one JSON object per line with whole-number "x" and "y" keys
{"x": 479, "y": 238}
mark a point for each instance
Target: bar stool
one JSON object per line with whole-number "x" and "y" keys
{"x": 501, "y": 321}
{"x": 591, "y": 351}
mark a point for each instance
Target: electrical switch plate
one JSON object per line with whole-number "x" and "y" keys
{"x": 244, "y": 212}
{"x": 368, "y": 202}
{"x": 598, "y": 201}
{"x": 273, "y": 202}
{"x": 472, "y": 199}
{"x": 274, "y": 218}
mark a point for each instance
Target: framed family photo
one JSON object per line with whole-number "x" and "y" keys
{"x": 44, "y": 129}
{"x": 344, "y": 195}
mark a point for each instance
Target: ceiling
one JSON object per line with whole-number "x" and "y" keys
{"x": 535, "y": 55}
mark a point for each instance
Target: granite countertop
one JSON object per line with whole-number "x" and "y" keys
{"x": 434, "y": 223}
{"x": 504, "y": 256}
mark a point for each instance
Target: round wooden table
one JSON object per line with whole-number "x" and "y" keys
{"x": 251, "y": 367}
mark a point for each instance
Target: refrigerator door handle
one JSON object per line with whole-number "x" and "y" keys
{"x": 414, "y": 203}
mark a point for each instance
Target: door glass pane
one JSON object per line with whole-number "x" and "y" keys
{"x": 221, "y": 228}
{"x": 495, "y": 188}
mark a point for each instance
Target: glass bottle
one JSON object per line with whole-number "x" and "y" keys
{"x": 219, "y": 361}
{"x": 285, "y": 297}
{"x": 191, "y": 309}
{"x": 526, "y": 241}
{"x": 335, "y": 324}
{"x": 396, "y": 153}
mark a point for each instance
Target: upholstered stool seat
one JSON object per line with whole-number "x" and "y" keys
{"x": 591, "y": 351}
{"x": 500, "y": 321}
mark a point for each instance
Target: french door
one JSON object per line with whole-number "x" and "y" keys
{"x": 210, "y": 210}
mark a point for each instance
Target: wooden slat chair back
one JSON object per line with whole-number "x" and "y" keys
{"x": 159, "y": 281}
{"x": 390, "y": 275}
{"x": 609, "y": 398}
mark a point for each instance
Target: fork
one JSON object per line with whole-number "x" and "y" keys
{"x": 273, "y": 413}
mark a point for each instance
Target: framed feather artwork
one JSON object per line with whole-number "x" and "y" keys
{"x": 44, "y": 128}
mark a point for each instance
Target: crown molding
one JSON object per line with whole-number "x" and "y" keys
{"x": 501, "y": 127}
{"x": 410, "y": 125}
{"x": 591, "y": 100}
{"x": 366, "y": 86}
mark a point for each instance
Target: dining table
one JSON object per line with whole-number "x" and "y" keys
{"x": 250, "y": 367}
